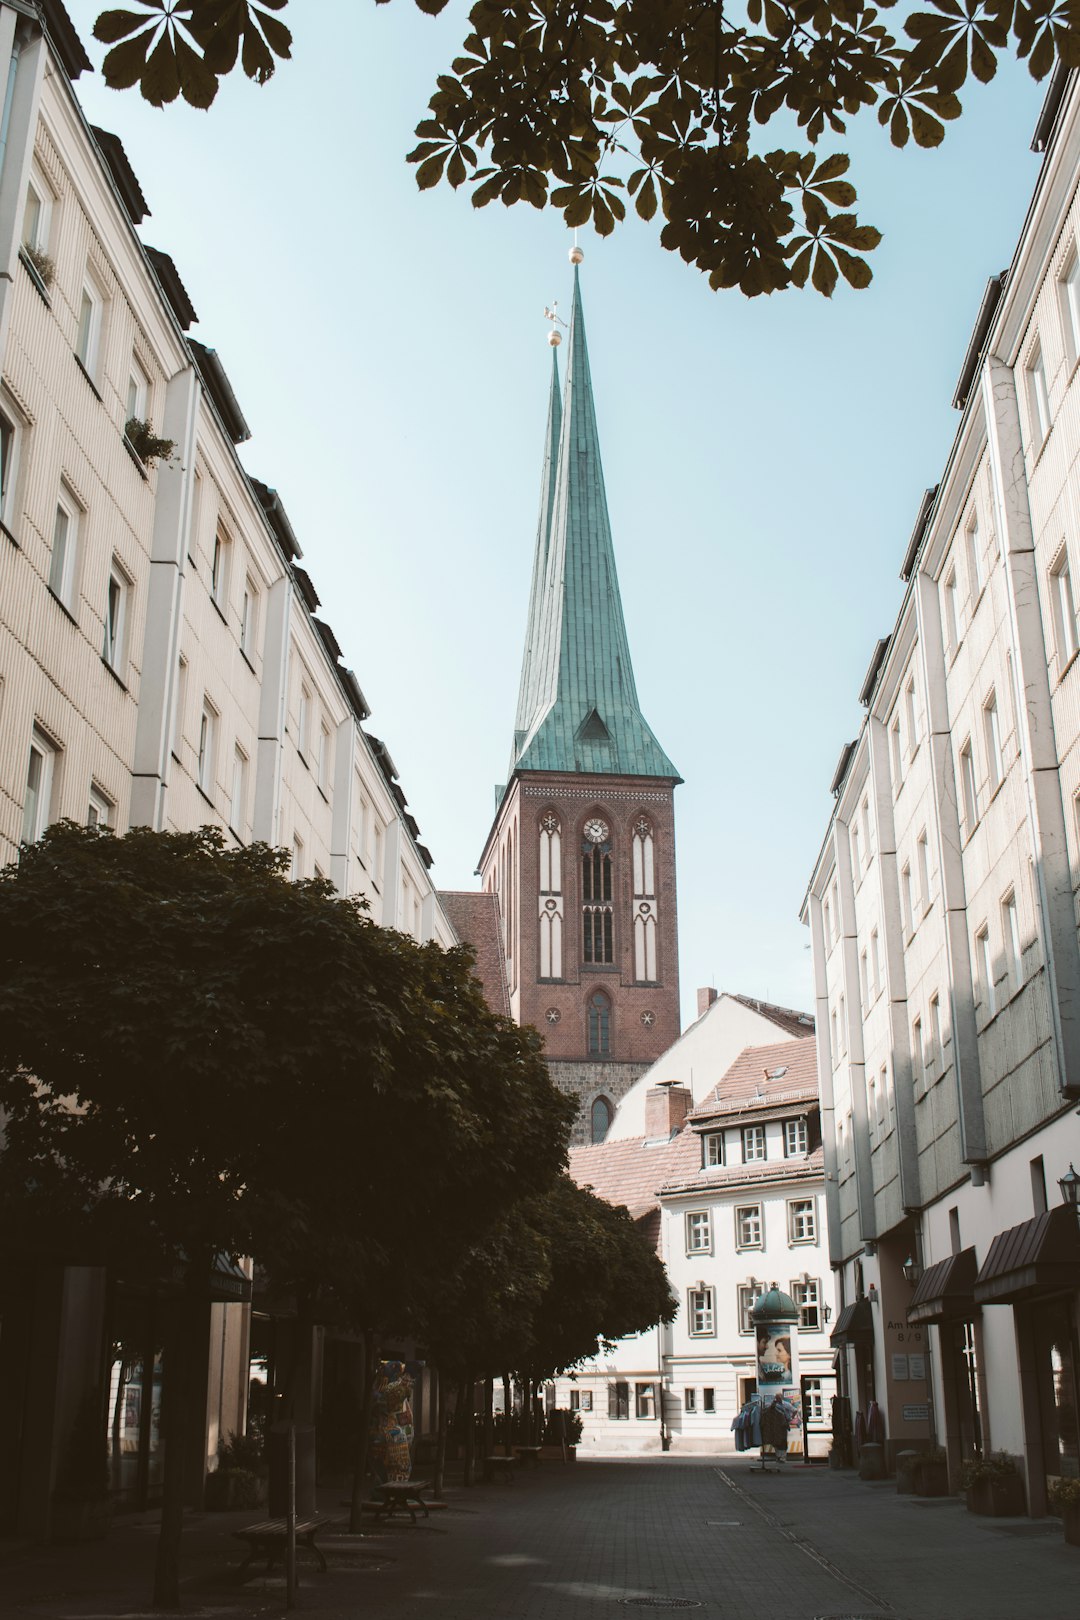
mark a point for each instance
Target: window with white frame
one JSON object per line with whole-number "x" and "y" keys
{"x": 843, "y": 1022}
{"x": 249, "y": 619}
{"x": 40, "y": 771}
{"x": 117, "y": 594}
{"x": 65, "y": 548}
{"x": 138, "y": 394}
{"x": 702, "y": 1315}
{"x": 713, "y": 1150}
{"x": 952, "y": 613}
{"x": 826, "y": 920}
{"x": 910, "y": 717}
{"x": 10, "y": 450}
{"x": 297, "y": 869}
{"x": 1014, "y": 702}
{"x": 1038, "y": 396}
{"x": 813, "y": 1401}
{"x": 748, "y": 1226}
{"x": 995, "y": 764}
{"x": 871, "y": 1103}
{"x": 986, "y": 969}
{"x": 219, "y": 570}
{"x": 205, "y": 765}
{"x": 753, "y": 1143}
{"x": 238, "y": 795}
{"x": 1063, "y": 607}
{"x": 802, "y": 1220}
{"x": 795, "y": 1138}
{"x": 916, "y": 1054}
{"x": 90, "y": 322}
{"x": 897, "y": 754}
{"x": 864, "y": 978}
{"x": 645, "y": 1401}
{"x": 1010, "y": 933}
{"x": 322, "y": 766}
{"x": 746, "y": 1296}
{"x": 907, "y": 903}
{"x": 37, "y": 215}
{"x": 883, "y": 1096}
{"x": 100, "y": 811}
{"x": 973, "y": 546}
{"x": 864, "y": 823}
{"x": 708, "y": 1400}
{"x": 936, "y": 1061}
{"x": 856, "y": 851}
{"x": 581, "y": 1400}
{"x": 835, "y": 1038}
{"x": 968, "y": 790}
{"x": 698, "y": 1232}
{"x": 689, "y": 1400}
{"x": 618, "y": 1400}
{"x": 806, "y": 1292}
{"x": 922, "y": 865}
{"x": 875, "y": 963}
{"x": 303, "y": 720}
{"x": 1069, "y": 299}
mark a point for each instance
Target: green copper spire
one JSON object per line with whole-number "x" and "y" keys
{"x": 578, "y": 706}
{"x": 540, "y": 560}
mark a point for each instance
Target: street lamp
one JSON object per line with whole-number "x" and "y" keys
{"x": 1070, "y": 1190}
{"x": 912, "y": 1269}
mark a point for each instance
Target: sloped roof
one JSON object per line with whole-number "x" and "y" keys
{"x": 796, "y": 1023}
{"x": 474, "y": 917}
{"x": 764, "y": 1077}
{"x": 720, "y": 1177}
{"x": 578, "y": 705}
{"x": 631, "y": 1173}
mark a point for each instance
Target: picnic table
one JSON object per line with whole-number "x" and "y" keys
{"x": 398, "y": 1496}
{"x": 267, "y": 1540}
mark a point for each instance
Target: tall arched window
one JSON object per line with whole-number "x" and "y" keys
{"x": 600, "y": 1120}
{"x": 551, "y": 903}
{"x": 644, "y": 906}
{"x": 599, "y": 1024}
{"x": 597, "y": 912}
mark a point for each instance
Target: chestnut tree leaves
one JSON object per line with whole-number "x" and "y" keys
{"x": 594, "y": 107}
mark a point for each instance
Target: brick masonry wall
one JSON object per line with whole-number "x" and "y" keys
{"x": 588, "y": 1080}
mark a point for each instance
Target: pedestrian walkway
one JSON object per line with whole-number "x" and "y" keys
{"x": 596, "y": 1540}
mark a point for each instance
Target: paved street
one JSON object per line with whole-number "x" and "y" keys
{"x": 603, "y": 1538}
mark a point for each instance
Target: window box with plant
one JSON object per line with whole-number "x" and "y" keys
{"x": 240, "y": 1478}
{"x": 994, "y": 1486}
{"x": 43, "y": 267}
{"x": 145, "y": 443}
{"x": 1065, "y": 1499}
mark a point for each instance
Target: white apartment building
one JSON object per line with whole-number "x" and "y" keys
{"x": 943, "y": 908}
{"x": 163, "y": 661}
{"x": 732, "y": 1193}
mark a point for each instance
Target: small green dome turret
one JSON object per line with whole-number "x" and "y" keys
{"x": 775, "y": 1306}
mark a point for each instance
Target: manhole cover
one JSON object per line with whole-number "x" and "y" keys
{"x": 661, "y": 1603}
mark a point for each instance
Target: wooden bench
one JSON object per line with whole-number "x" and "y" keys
{"x": 398, "y": 1496}
{"x": 528, "y": 1454}
{"x": 501, "y": 1468}
{"x": 268, "y": 1540}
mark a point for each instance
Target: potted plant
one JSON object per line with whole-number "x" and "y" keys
{"x": 43, "y": 265}
{"x": 145, "y": 443}
{"x": 240, "y": 1478}
{"x": 80, "y": 1502}
{"x": 1065, "y": 1499}
{"x": 931, "y": 1474}
{"x": 994, "y": 1485}
{"x": 561, "y": 1424}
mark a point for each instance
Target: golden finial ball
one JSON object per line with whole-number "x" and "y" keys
{"x": 554, "y": 338}
{"x": 576, "y": 254}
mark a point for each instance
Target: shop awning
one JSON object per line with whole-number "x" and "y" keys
{"x": 946, "y": 1290}
{"x": 229, "y": 1282}
{"x": 854, "y": 1322}
{"x": 1039, "y": 1256}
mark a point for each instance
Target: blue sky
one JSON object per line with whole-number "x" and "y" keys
{"x": 764, "y": 459}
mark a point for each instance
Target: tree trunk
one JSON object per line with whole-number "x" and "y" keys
{"x": 469, "y": 1393}
{"x": 489, "y": 1403}
{"x": 176, "y": 1405}
{"x": 444, "y": 1425}
{"x": 508, "y": 1418}
{"x": 363, "y": 1439}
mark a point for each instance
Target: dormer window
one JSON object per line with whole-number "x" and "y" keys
{"x": 795, "y": 1138}
{"x": 713, "y": 1150}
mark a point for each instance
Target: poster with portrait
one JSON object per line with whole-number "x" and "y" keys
{"x": 774, "y": 1356}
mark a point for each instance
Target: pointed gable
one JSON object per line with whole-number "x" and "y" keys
{"x": 578, "y": 705}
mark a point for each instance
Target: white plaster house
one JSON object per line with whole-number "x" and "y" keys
{"x": 732, "y": 1192}
{"x": 162, "y": 661}
{"x": 725, "y": 1025}
{"x": 943, "y": 909}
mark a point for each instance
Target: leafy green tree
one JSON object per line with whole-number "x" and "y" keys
{"x": 198, "y": 1056}
{"x": 588, "y": 104}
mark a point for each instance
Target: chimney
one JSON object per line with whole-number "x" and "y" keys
{"x": 705, "y": 999}
{"x": 666, "y": 1108}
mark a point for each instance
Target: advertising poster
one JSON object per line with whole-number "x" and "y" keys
{"x": 774, "y": 1356}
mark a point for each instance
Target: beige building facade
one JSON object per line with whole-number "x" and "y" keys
{"x": 943, "y": 909}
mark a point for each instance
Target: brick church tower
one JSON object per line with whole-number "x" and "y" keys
{"x": 581, "y": 855}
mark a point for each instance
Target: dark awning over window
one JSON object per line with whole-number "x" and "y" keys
{"x": 854, "y": 1322}
{"x": 946, "y": 1290}
{"x": 1039, "y": 1256}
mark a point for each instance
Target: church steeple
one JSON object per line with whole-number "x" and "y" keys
{"x": 543, "y": 542}
{"x": 578, "y": 706}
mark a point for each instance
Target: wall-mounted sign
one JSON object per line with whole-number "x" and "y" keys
{"x": 916, "y": 1414}
{"x": 917, "y": 1367}
{"x": 900, "y": 1368}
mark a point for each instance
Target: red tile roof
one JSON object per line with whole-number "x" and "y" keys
{"x": 474, "y": 917}
{"x": 630, "y": 1173}
{"x": 721, "y": 1178}
{"x": 764, "y": 1077}
{"x": 789, "y": 1018}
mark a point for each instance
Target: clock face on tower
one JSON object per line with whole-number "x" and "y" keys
{"x": 596, "y": 831}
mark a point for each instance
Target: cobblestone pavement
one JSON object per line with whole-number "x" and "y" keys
{"x": 597, "y": 1540}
